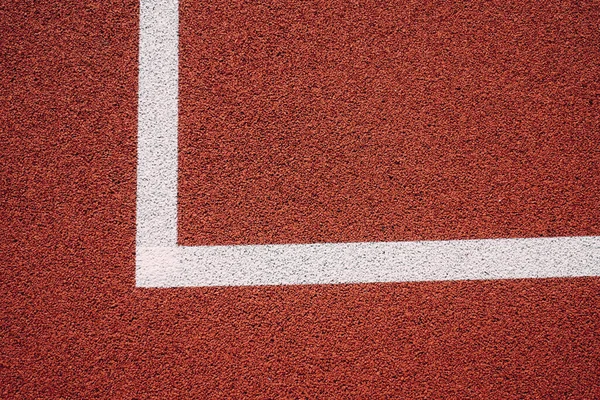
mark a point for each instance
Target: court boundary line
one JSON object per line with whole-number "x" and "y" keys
{"x": 161, "y": 262}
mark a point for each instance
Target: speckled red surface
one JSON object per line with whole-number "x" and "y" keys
{"x": 381, "y": 121}
{"x": 74, "y": 326}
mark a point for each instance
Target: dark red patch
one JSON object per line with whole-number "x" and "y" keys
{"x": 384, "y": 121}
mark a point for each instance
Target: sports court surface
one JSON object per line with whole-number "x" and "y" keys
{"x": 300, "y": 199}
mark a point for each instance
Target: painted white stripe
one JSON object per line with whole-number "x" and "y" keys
{"x": 160, "y": 262}
{"x": 368, "y": 262}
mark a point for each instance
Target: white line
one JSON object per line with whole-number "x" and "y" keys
{"x": 160, "y": 262}
{"x": 368, "y": 262}
{"x": 157, "y": 124}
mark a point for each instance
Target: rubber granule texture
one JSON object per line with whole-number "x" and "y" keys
{"x": 74, "y": 326}
{"x": 306, "y": 122}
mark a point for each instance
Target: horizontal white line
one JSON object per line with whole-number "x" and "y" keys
{"x": 327, "y": 263}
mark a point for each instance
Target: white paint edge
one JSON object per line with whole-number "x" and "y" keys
{"x": 160, "y": 262}
{"x": 328, "y": 263}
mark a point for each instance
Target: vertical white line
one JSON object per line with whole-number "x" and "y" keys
{"x": 156, "y": 214}
{"x": 157, "y": 124}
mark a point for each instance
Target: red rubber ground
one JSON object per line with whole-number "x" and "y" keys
{"x": 343, "y": 121}
{"x": 74, "y": 325}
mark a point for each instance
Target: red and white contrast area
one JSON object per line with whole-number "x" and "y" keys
{"x": 294, "y": 144}
{"x": 181, "y": 182}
